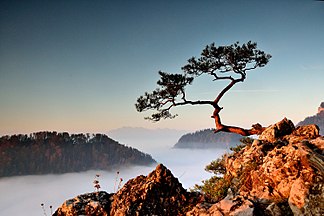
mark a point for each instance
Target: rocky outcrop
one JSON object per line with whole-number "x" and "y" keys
{"x": 281, "y": 173}
{"x": 277, "y": 131}
{"x": 96, "y": 204}
{"x": 159, "y": 193}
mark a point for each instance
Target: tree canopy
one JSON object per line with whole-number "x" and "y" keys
{"x": 230, "y": 63}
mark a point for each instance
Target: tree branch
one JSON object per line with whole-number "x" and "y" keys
{"x": 228, "y": 87}
{"x": 256, "y": 129}
{"x": 234, "y": 60}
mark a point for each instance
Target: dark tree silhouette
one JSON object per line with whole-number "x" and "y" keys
{"x": 230, "y": 63}
{"x": 51, "y": 152}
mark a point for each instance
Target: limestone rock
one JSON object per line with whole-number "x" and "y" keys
{"x": 315, "y": 202}
{"x": 280, "y": 169}
{"x": 303, "y": 133}
{"x": 280, "y": 129}
{"x": 96, "y": 204}
{"x": 203, "y": 209}
{"x": 280, "y": 174}
{"x": 319, "y": 143}
{"x": 274, "y": 210}
{"x": 237, "y": 206}
{"x": 160, "y": 193}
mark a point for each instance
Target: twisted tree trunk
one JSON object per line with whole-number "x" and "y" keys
{"x": 256, "y": 128}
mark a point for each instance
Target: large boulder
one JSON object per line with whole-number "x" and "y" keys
{"x": 278, "y": 130}
{"x": 159, "y": 193}
{"x": 96, "y": 204}
{"x": 282, "y": 167}
{"x": 306, "y": 132}
{"x": 231, "y": 206}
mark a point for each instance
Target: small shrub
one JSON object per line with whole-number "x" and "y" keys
{"x": 217, "y": 166}
{"x": 245, "y": 141}
{"x": 217, "y": 186}
{"x": 214, "y": 188}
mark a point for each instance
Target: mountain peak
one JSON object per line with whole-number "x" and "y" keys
{"x": 321, "y": 108}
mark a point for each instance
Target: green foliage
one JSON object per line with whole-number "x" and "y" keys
{"x": 217, "y": 167}
{"x": 214, "y": 188}
{"x": 170, "y": 87}
{"x": 229, "y": 63}
{"x": 245, "y": 141}
{"x": 217, "y": 186}
{"x": 232, "y": 58}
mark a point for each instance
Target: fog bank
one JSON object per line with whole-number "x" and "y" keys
{"x": 23, "y": 195}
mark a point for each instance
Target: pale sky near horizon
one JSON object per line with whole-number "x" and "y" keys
{"x": 79, "y": 65}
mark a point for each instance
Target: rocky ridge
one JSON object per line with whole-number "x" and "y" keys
{"x": 281, "y": 173}
{"x": 317, "y": 119}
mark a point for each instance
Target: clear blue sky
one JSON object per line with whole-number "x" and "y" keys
{"x": 79, "y": 65}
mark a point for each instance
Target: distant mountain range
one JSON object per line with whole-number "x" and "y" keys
{"x": 317, "y": 119}
{"x": 144, "y": 133}
{"x": 52, "y": 152}
{"x": 146, "y": 139}
{"x": 205, "y": 139}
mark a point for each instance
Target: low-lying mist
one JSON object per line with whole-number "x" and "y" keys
{"x": 23, "y": 195}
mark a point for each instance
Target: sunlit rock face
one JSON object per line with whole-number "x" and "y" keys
{"x": 159, "y": 193}
{"x": 281, "y": 173}
{"x": 273, "y": 132}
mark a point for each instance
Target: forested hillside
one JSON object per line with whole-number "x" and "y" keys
{"x": 52, "y": 152}
{"x": 208, "y": 139}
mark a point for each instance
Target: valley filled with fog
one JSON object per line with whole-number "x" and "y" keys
{"x": 23, "y": 195}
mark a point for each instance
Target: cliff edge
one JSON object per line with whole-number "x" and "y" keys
{"x": 281, "y": 173}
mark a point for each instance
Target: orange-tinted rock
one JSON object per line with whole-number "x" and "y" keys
{"x": 278, "y": 130}
{"x": 280, "y": 174}
{"x": 159, "y": 193}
